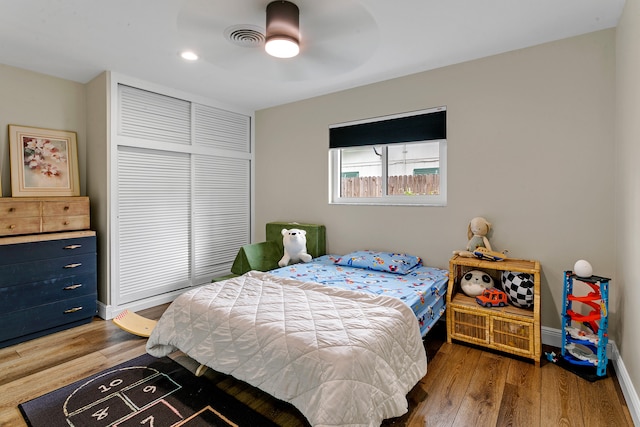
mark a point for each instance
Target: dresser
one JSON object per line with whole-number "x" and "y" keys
{"x": 48, "y": 282}
{"x": 27, "y": 215}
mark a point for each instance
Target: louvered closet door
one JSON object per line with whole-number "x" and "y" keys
{"x": 221, "y": 213}
{"x": 183, "y": 196}
{"x": 222, "y": 189}
{"x": 154, "y": 216}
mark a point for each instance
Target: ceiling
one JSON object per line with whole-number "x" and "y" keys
{"x": 344, "y": 43}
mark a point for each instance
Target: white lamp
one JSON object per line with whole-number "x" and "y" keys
{"x": 283, "y": 29}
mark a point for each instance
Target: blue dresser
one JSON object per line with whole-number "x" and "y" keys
{"x": 48, "y": 282}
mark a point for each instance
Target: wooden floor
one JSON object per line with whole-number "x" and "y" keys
{"x": 464, "y": 386}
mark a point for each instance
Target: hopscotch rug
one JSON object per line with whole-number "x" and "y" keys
{"x": 144, "y": 391}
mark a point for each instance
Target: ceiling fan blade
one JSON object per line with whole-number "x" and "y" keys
{"x": 336, "y": 36}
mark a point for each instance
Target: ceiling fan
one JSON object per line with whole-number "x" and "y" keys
{"x": 333, "y": 36}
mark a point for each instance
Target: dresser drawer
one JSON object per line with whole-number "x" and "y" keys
{"x": 49, "y": 269}
{"x": 11, "y": 208}
{"x": 20, "y": 297}
{"x": 13, "y": 226}
{"x": 45, "y": 316}
{"x": 62, "y": 223}
{"x": 68, "y": 207}
{"x": 32, "y": 251}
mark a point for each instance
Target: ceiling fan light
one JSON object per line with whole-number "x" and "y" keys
{"x": 283, "y": 29}
{"x": 282, "y": 47}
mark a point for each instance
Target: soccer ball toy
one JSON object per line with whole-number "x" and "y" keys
{"x": 519, "y": 288}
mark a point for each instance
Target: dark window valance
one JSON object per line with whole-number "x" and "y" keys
{"x": 420, "y": 127}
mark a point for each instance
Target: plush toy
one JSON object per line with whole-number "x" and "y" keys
{"x": 477, "y": 234}
{"x": 474, "y": 282}
{"x": 295, "y": 246}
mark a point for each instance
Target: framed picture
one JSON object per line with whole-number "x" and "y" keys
{"x": 44, "y": 162}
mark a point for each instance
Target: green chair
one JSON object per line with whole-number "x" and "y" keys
{"x": 316, "y": 236}
{"x": 264, "y": 256}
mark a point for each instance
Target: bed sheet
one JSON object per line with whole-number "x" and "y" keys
{"x": 423, "y": 289}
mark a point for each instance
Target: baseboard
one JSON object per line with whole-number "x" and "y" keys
{"x": 629, "y": 392}
{"x": 553, "y": 337}
{"x": 109, "y": 311}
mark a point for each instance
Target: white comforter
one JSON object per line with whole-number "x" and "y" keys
{"x": 343, "y": 358}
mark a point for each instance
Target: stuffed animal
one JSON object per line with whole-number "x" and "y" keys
{"x": 477, "y": 234}
{"x": 295, "y": 246}
{"x": 474, "y": 282}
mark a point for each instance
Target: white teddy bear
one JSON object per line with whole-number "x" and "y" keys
{"x": 295, "y": 246}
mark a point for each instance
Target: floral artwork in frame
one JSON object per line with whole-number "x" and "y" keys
{"x": 44, "y": 162}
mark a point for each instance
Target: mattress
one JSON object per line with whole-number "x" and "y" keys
{"x": 423, "y": 288}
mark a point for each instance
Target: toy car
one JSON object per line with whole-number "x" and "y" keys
{"x": 484, "y": 253}
{"x": 492, "y": 297}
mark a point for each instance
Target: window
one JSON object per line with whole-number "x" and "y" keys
{"x": 393, "y": 160}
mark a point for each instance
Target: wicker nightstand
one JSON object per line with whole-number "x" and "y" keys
{"x": 509, "y": 329}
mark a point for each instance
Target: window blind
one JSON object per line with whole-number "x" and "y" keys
{"x": 412, "y": 127}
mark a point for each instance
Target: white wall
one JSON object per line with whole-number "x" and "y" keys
{"x": 33, "y": 99}
{"x": 627, "y": 184}
{"x": 536, "y": 124}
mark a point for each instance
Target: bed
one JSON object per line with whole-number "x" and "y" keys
{"x": 344, "y": 354}
{"x": 422, "y": 288}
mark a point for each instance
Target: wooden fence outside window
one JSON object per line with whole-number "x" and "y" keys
{"x": 402, "y": 185}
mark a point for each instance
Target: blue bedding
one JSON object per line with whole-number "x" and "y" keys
{"x": 422, "y": 288}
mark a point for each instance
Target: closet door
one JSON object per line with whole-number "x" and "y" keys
{"x": 221, "y": 189}
{"x": 221, "y": 213}
{"x": 154, "y": 215}
{"x": 183, "y": 193}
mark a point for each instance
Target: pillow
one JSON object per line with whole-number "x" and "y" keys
{"x": 380, "y": 261}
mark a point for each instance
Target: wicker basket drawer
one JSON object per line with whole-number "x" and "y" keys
{"x": 470, "y": 326}
{"x": 512, "y": 335}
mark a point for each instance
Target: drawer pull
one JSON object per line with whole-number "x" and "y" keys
{"x": 66, "y": 223}
{"x": 66, "y": 208}
{"x": 72, "y": 287}
{"x": 72, "y": 310}
{"x": 12, "y": 209}
{"x": 72, "y": 247}
{"x": 12, "y": 226}
{"x": 77, "y": 264}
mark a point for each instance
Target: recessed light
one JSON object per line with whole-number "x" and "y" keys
{"x": 189, "y": 55}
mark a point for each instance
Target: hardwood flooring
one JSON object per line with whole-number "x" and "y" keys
{"x": 464, "y": 386}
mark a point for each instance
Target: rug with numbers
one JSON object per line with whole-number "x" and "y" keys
{"x": 144, "y": 391}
